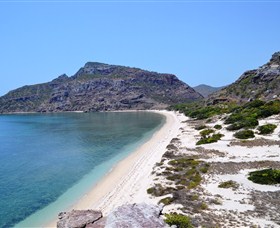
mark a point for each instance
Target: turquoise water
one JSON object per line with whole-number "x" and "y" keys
{"x": 47, "y": 161}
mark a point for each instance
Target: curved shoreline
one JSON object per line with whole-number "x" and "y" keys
{"x": 128, "y": 180}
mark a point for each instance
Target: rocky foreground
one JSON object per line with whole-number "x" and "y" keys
{"x": 130, "y": 215}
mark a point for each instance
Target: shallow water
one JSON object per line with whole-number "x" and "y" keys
{"x": 52, "y": 159}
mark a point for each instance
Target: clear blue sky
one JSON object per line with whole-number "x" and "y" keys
{"x": 211, "y": 42}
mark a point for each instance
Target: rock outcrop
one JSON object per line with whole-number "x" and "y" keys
{"x": 100, "y": 87}
{"x": 262, "y": 83}
{"x": 130, "y": 215}
{"x": 135, "y": 215}
{"x": 78, "y": 218}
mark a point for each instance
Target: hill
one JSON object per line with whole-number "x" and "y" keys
{"x": 206, "y": 90}
{"x": 262, "y": 83}
{"x": 100, "y": 87}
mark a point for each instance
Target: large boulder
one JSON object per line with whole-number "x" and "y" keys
{"x": 126, "y": 216}
{"x": 78, "y": 218}
{"x": 136, "y": 216}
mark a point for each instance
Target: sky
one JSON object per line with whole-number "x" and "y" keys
{"x": 201, "y": 42}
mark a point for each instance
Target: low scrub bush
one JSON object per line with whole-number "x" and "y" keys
{"x": 203, "y": 206}
{"x": 267, "y": 129}
{"x": 206, "y": 132}
{"x": 248, "y": 122}
{"x": 265, "y": 176}
{"x": 269, "y": 109}
{"x": 166, "y": 201}
{"x": 178, "y": 220}
{"x": 254, "y": 104}
{"x": 228, "y": 184}
{"x": 244, "y": 134}
{"x": 159, "y": 190}
{"x": 218, "y": 126}
{"x": 210, "y": 139}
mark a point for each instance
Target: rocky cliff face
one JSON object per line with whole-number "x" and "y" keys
{"x": 262, "y": 83}
{"x": 100, "y": 87}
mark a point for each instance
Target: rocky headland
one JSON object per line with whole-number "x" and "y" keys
{"x": 100, "y": 87}
{"x": 262, "y": 83}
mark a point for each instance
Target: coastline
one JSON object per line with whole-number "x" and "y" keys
{"x": 128, "y": 180}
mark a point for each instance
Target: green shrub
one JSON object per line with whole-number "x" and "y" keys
{"x": 206, "y": 132}
{"x": 182, "y": 162}
{"x": 269, "y": 109}
{"x": 210, "y": 139}
{"x": 218, "y": 126}
{"x": 194, "y": 197}
{"x": 248, "y": 122}
{"x": 166, "y": 201}
{"x": 203, "y": 206}
{"x": 266, "y": 129}
{"x": 181, "y": 221}
{"x": 244, "y": 134}
{"x": 233, "y": 118}
{"x": 254, "y": 104}
{"x": 235, "y": 126}
{"x": 265, "y": 176}
{"x": 228, "y": 184}
{"x": 190, "y": 172}
{"x": 254, "y": 109}
{"x": 193, "y": 184}
{"x": 204, "y": 169}
{"x": 151, "y": 190}
{"x": 217, "y": 136}
{"x": 159, "y": 190}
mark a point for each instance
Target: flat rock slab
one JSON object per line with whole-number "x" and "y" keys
{"x": 136, "y": 216}
{"x": 78, "y": 218}
{"x": 126, "y": 216}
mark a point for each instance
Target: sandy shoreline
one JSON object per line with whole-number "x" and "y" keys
{"x": 128, "y": 180}
{"x": 228, "y": 159}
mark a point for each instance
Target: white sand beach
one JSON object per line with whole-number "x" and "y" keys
{"x": 228, "y": 158}
{"x": 128, "y": 181}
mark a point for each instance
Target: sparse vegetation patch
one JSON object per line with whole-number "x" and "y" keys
{"x": 229, "y": 184}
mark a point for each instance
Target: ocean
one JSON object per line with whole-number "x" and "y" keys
{"x": 48, "y": 161}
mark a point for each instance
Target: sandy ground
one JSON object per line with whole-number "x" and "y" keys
{"x": 248, "y": 205}
{"x": 128, "y": 180}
